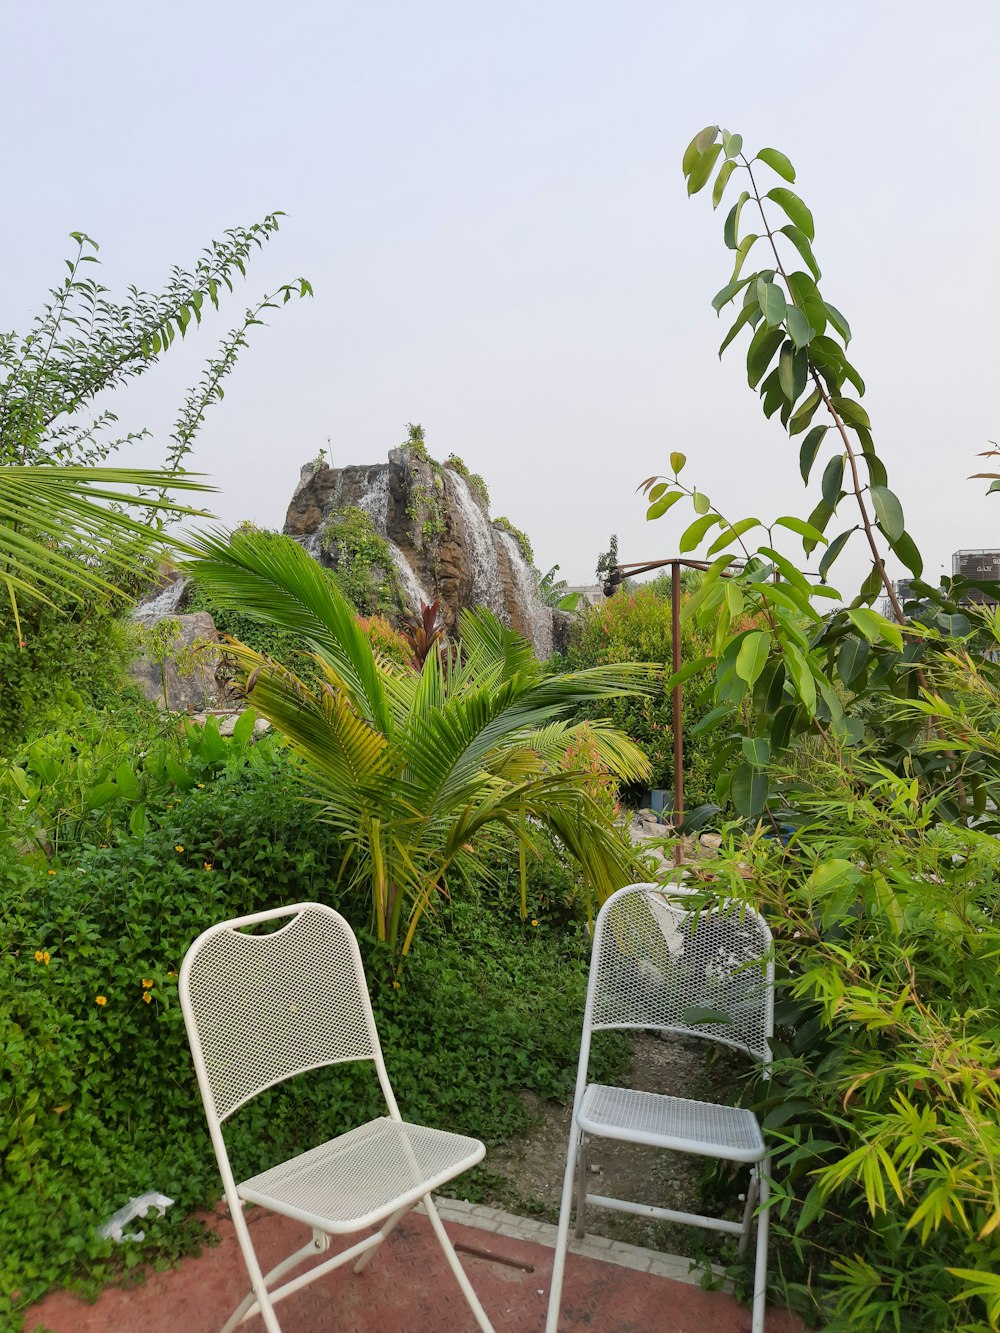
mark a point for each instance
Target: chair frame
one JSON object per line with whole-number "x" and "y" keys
{"x": 264, "y": 1294}
{"x": 758, "y": 1192}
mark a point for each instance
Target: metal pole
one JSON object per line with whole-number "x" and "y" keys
{"x": 675, "y": 630}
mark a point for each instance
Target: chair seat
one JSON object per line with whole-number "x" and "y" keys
{"x": 727, "y": 1132}
{"x": 361, "y": 1177}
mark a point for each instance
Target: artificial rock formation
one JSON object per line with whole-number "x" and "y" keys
{"x": 440, "y": 539}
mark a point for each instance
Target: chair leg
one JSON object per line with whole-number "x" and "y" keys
{"x": 760, "y": 1268}
{"x": 581, "y": 1187}
{"x": 562, "y": 1235}
{"x": 388, "y": 1226}
{"x": 753, "y": 1190}
{"x": 455, "y": 1266}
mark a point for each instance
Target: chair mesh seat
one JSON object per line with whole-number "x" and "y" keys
{"x": 363, "y": 1175}
{"x": 728, "y": 1132}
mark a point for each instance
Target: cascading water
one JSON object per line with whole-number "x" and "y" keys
{"x": 480, "y": 543}
{"x": 374, "y": 499}
{"x": 536, "y": 615}
{"x": 411, "y": 585}
{"x": 164, "y": 604}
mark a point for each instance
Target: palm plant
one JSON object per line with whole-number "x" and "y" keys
{"x": 413, "y": 767}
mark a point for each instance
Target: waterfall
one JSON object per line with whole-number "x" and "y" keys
{"x": 164, "y": 604}
{"x": 536, "y": 615}
{"x": 480, "y": 543}
{"x": 411, "y": 585}
{"x": 374, "y": 499}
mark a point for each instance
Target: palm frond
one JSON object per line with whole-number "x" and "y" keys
{"x": 271, "y": 579}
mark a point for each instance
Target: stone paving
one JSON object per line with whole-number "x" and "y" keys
{"x": 609, "y": 1287}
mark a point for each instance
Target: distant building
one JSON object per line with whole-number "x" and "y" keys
{"x": 983, "y": 566}
{"x": 593, "y": 593}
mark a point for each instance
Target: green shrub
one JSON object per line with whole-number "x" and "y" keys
{"x": 98, "y": 1099}
{"x": 884, "y": 1109}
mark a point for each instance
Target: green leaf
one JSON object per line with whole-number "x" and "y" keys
{"x": 752, "y": 657}
{"x": 721, "y": 181}
{"x": 888, "y": 511}
{"x": 781, "y": 727}
{"x": 833, "y": 550}
{"x": 688, "y": 670}
{"x": 677, "y": 461}
{"x": 658, "y": 509}
{"x": 744, "y": 248}
{"x": 732, "y": 534}
{"x": 725, "y": 294}
{"x": 743, "y": 318}
{"x": 905, "y": 549}
{"x": 804, "y": 413}
{"x": 809, "y": 449}
{"x": 749, "y": 791}
{"x": 101, "y": 794}
{"x": 695, "y": 149}
{"x": 806, "y": 296}
{"x": 818, "y": 519}
{"x": 799, "y": 329}
{"x": 838, "y": 321}
{"x": 777, "y": 162}
{"x": 711, "y": 719}
{"x": 803, "y": 529}
{"x": 793, "y": 372}
{"x": 771, "y": 300}
{"x": 801, "y": 677}
{"x": 852, "y": 413}
{"x": 243, "y": 730}
{"x": 732, "y": 144}
{"x": 702, "y": 169}
{"x": 787, "y": 570}
{"x": 701, "y": 502}
{"x": 852, "y": 657}
{"x": 696, "y": 532}
{"x": 875, "y": 627}
{"x": 730, "y": 230}
{"x": 756, "y": 751}
{"x": 127, "y": 782}
{"x": 801, "y": 242}
{"x": 658, "y": 490}
{"x": 138, "y": 821}
{"x": 833, "y": 476}
{"x": 763, "y": 345}
{"x": 795, "y": 208}
{"x": 696, "y": 1015}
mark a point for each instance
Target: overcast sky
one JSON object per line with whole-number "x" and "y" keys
{"x": 488, "y": 200}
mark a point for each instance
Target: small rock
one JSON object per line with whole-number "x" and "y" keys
{"x": 711, "y": 840}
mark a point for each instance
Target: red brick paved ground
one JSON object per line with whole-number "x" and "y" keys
{"x": 407, "y": 1288}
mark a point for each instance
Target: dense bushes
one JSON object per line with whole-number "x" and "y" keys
{"x": 97, "y": 1097}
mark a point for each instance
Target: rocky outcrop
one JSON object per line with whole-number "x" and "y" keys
{"x": 178, "y": 660}
{"x": 440, "y": 537}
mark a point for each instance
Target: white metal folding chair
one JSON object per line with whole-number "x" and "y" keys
{"x": 659, "y": 963}
{"x": 261, "y": 1008}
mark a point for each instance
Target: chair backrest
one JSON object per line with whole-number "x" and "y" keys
{"x": 659, "y": 962}
{"x": 260, "y": 1008}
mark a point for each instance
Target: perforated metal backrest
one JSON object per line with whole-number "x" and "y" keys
{"x": 263, "y": 1007}
{"x": 659, "y": 963}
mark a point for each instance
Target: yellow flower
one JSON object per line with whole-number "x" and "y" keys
{"x": 201, "y": 785}
{"x": 179, "y": 847}
{"x": 52, "y": 872}
{"x": 171, "y": 974}
{"x": 102, "y": 1000}
{"x": 146, "y": 997}
{"x": 208, "y": 865}
{"x": 38, "y": 955}
{"x": 147, "y": 984}
{"x": 45, "y": 957}
{"x": 395, "y": 985}
{"x": 534, "y": 922}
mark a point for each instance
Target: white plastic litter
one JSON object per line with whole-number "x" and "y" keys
{"x": 138, "y": 1206}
